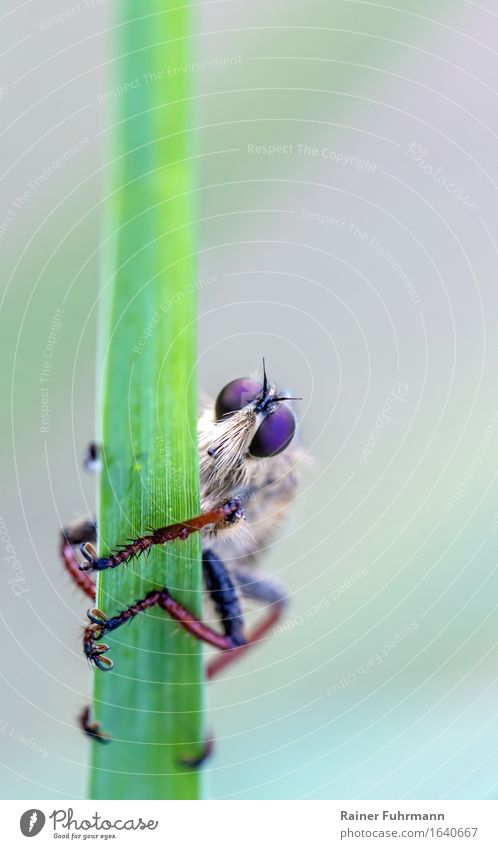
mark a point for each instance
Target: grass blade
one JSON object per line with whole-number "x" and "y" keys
{"x": 151, "y": 703}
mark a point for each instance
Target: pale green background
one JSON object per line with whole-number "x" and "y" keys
{"x": 335, "y": 322}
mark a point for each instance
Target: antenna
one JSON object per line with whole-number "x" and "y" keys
{"x": 265, "y": 379}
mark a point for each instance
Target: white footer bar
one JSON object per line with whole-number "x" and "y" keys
{"x": 252, "y": 824}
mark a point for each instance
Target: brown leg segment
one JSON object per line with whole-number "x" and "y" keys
{"x": 231, "y": 511}
{"x": 193, "y": 625}
{"x": 84, "y": 581}
{"x": 101, "y": 625}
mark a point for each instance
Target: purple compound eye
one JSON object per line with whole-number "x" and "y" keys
{"x": 274, "y": 433}
{"x": 236, "y": 395}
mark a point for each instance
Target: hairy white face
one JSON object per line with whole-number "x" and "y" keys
{"x": 249, "y": 423}
{"x": 231, "y": 437}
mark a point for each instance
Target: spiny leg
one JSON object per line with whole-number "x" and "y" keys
{"x": 259, "y": 589}
{"x": 74, "y": 535}
{"x": 220, "y": 585}
{"x": 101, "y": 625}
{"x": 227, "y": 604}
{"x": 229, "y": 512}
{"x": 95, "y": 651}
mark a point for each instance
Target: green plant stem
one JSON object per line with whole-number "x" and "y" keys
{"x": 152, "y": 702}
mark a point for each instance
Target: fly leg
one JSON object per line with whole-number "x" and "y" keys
{"x": 92, "y": 728}
{"x": 260, "y": 589}
{"x": 100, "y": 625}
{"x": 225, "y": 597}
{"x": 224, "y": 590}
{"x": 228, "y": 513}
{"x": 73, "y": 535}
{"x": 219, "y": 584}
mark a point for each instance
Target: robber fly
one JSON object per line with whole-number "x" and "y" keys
{"x": 249, "y": 453}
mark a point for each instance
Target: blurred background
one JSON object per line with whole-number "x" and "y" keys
{"x": 346, "y": 168}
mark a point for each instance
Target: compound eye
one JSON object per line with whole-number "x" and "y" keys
{"x": 236, "y": 395}
{"x": 274, "y": 433}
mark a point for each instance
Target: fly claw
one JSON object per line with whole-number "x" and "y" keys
{"x": 93, "y": 728}
{"x": 105, "y": 664}
{"x": 95, "y": 651}
{"x": 197, "y": 761}
{"x": 89, "y": 552}
{"x": 97, "y": 616}
{"x": 101, "y": 648}
{"x": 92, "y": 560}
